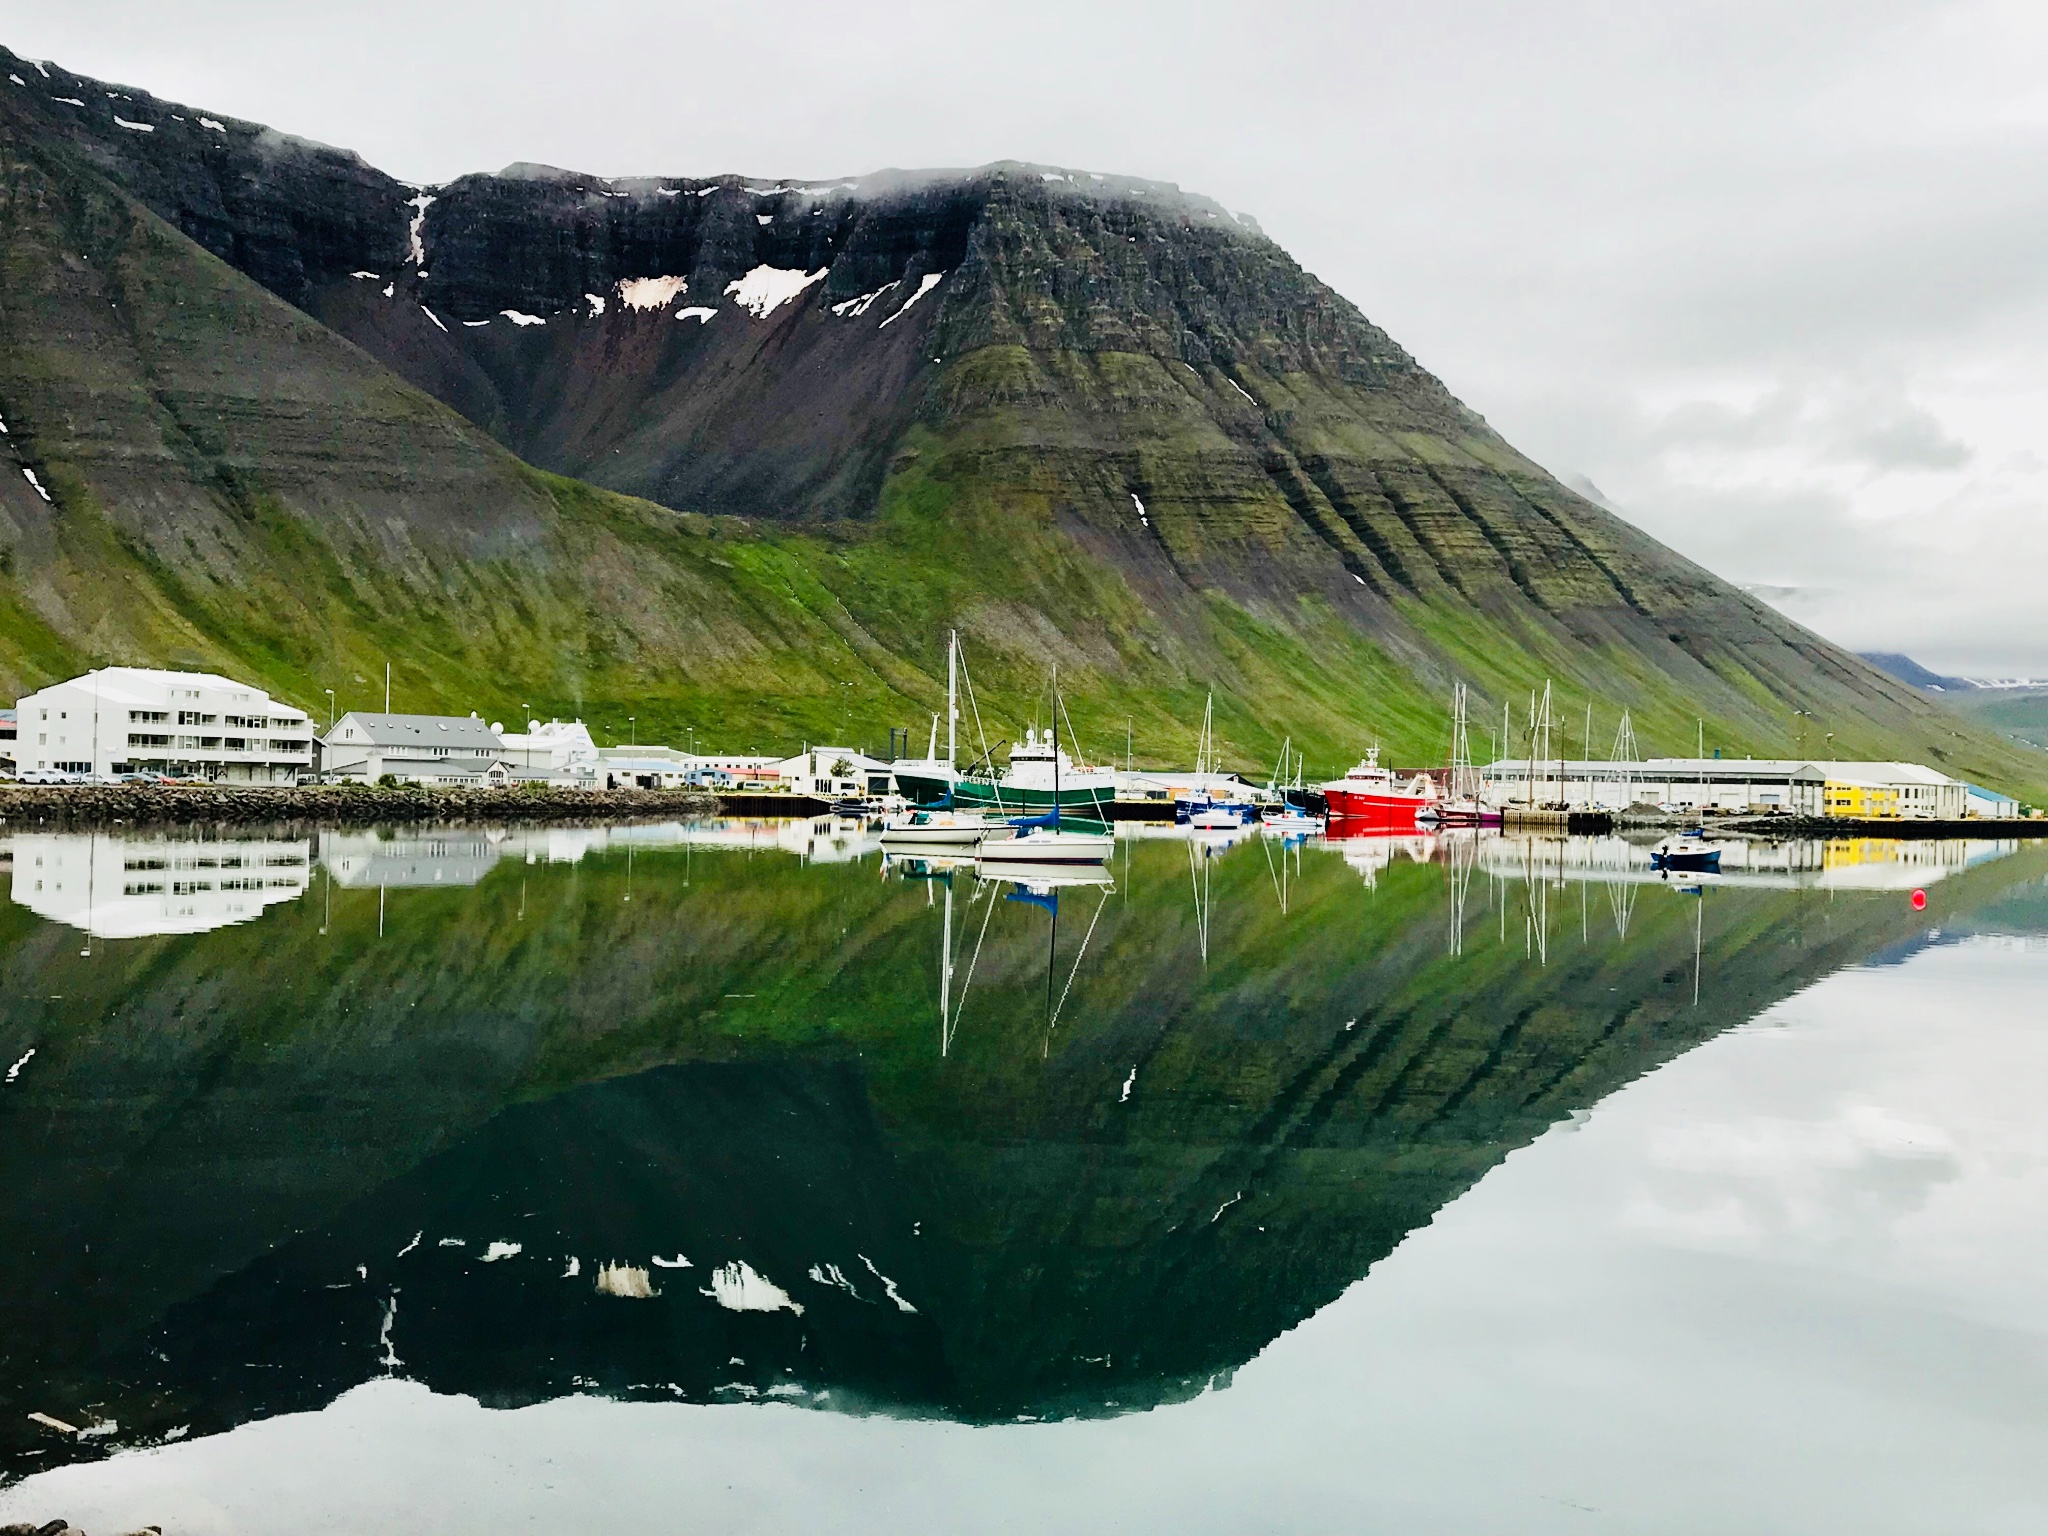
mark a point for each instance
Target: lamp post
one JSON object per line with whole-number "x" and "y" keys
{"x": 330, "y": 708}
{"x": 632, "y": 733}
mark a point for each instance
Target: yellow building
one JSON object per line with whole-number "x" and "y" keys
{"x": 1856, "y": 798}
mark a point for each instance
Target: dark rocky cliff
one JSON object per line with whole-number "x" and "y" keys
{"x": 1071, "y": 414}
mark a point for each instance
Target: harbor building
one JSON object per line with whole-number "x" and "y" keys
{"x": 1882, "y": 791}
{"x": 1989, "y": 804}
{"x": 1877, "y": 791}
{"x": 454, "y": 751}
{"x": 1743, "y": 785}
{"x": 187, "y": 725}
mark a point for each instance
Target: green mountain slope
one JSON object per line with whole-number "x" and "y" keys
{"x": 275, "y": 401}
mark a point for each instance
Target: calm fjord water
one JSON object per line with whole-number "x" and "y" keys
{"x": 732, "y": 1177}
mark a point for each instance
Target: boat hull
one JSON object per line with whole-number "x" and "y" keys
{"x": 1702, "y": 863}
{"x": 1056, "y": 848}
{"x": 945, "y": 836}
{"x": 922, "y": 786}
{"x": 1375, "y": 809}
{"x": 982, "y": 794}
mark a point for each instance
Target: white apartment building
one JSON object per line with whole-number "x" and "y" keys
{"x": 452, "y": 750}
{"x": 190, "y": 725}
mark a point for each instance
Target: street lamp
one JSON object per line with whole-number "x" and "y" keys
{"x": 330, "y": 709}
{"x": 632, "y": 735}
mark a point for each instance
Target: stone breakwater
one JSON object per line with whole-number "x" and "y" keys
{"x": 82, "y": 805}
{"x": 64, "y": 1528}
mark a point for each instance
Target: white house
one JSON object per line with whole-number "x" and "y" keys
{"x": 185, "y": 724}
{"x": 555, "y": 752}
{"x": 449, "y": 750}
{"x": 829, "y": 771}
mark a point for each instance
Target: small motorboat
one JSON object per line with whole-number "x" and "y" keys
{"x": 1214, "y": 817}
{"x": 1687, "y": 853}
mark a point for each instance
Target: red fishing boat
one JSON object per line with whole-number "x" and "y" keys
{"x": 1370, "y": 795}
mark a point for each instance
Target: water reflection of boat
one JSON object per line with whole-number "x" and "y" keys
{"x": 1371, "y": 852}
{"x": 1043, "y": 876}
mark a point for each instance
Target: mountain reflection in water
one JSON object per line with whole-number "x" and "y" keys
{"x": 665, "y": 1112}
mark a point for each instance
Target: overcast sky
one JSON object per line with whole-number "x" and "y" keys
{"x": 1771, "y": 276}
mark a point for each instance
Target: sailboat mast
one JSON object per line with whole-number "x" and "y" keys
{"x": 1055, "y": 789}
{"x": 952, "y": 697}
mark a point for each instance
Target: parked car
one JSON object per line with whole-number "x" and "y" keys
{"x": 50, "y": 776}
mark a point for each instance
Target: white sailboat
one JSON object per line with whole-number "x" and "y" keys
{"x": 941, "y": 828}
{"x": 1040, "y": 839}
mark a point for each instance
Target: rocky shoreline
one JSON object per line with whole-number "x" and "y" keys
{"x": 84, "y": 805}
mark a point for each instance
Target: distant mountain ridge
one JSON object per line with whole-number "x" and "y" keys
{"x": 297, "y": 417}
{"x": 1907, "y": 670}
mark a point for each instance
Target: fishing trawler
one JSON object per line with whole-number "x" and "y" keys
{"x": 1372, "y": 795}
{"x": 1040, "y": 774}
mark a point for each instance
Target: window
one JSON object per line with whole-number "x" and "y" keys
{"x": 148, "y": 716}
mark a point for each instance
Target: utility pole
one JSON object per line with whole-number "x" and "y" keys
{"x": 387, "y": 691}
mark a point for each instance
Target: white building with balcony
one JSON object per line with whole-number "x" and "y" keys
{"x": 190, "y": 725}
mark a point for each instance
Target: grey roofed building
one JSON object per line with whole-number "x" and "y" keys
{"x": 421, "y": 749}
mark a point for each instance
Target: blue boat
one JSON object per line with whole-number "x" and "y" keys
{"x": 1687, "y": 853}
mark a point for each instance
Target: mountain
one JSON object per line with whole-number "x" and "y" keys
{"x": 1907, "y": 670}
{"x": 732, "y": 455}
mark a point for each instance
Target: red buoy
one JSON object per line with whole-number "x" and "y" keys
{"x": 1919, "y": 901}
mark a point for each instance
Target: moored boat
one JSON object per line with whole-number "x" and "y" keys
{"x": 1043, "y": 839}
{"x": 1372, "y": 795}
{"x": 1687, "y": 853}
{"x": 1039, "y": 773}
{"x": 938, "y": 829}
